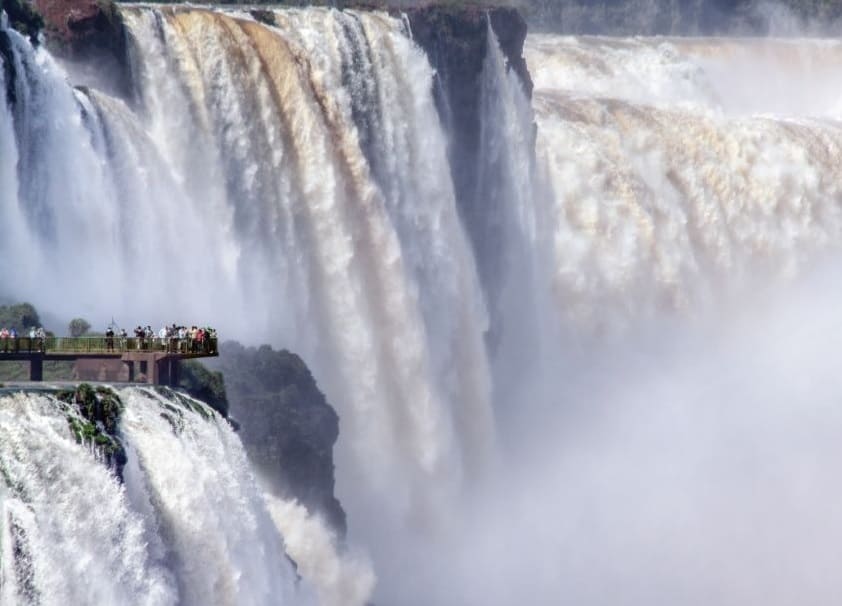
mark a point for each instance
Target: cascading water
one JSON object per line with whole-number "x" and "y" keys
{"x": 287, "y": 179}
{"x": 189, "y": 526}
{"x": 677, "y": 173}
{"x": 281, "y": 171}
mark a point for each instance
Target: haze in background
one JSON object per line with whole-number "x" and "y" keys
{"x": 655, "y": 421}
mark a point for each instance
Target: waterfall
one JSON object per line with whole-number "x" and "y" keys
{"x": 540, "y": 399}
{"x": 189, "y": 526}
{"x": 678, "y": 175}
{"x": 292, "y": 174}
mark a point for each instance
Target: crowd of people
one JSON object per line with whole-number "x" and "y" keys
{"x": 171, "y": 339}
{"x": 12, "y": 342}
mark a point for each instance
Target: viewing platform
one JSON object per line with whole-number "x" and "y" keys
{"x": 136, "y": 360}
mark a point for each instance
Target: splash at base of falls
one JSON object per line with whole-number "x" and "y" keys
{"x": 339, "y": 578}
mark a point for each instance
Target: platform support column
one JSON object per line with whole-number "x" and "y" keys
{"x": 175, "y": 372}
{"x": 36, "y": 368}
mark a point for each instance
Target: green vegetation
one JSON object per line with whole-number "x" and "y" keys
{"x": 93, "y": 420}
{"x": 78, "y": 327}
{"x": 174, "y": 415}
{"x": 203, "y": 384}
{"x": 647, "y": 17}
{"x": 21, "y": 317}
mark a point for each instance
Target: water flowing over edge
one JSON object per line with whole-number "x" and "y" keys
{"x": 284, "y": 166}
{"x": 651, "y": 194}
{"x": 189, "y": 524}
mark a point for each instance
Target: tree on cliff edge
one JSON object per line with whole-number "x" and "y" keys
{"x": 78, "y": 327}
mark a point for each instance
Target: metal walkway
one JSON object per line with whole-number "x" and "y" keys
{"x": 149, "y": 360}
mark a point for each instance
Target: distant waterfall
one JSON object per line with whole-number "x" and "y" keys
{"x": 188, "y": 527}
{"x": 678, "y": 173}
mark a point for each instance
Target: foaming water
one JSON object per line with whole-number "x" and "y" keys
{"x": 689, "y": 458}
{"x": 340, "y": 578}
{"x": 735, "y": 76}
{"x": 668, "y": 191}
{"x": 189, "y": 526}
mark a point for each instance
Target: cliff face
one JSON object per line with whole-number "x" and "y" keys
{"x": 23, "y": 18}
{"x": 81, "y": 26}
{"x": 287, "y": 427}
{"x": 455, "y": 40}
{"x": 89, "y": 34}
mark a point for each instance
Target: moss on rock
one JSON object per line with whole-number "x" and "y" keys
{"x": 203, "y": 384}
{"x": 93, "y": 420}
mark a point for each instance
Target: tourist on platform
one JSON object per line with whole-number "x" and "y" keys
{"x": 211, "y": 340}
{"x": 32, "y": 335}
{"x": 109, "y": 339}
{"x": 13, "y": 337}
{"x": 4, "y": 339}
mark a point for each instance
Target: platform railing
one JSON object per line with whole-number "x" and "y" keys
{"x": 107, "y": 345}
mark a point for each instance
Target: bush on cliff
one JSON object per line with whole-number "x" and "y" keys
{"x": 96, "y": 413}
{"x": 78, "y": 327}
{"x": 203, "y": 384}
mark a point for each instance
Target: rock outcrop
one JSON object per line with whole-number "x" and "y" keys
{"x": 82, "y": 26}
{"x": 287, "y": 427}
{"x": 24, "y": 18}
{"x": 94, "y": 422}
{"x": 90, "y": 34}
{"x": 455, "y": 39}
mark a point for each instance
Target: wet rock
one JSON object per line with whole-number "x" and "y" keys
{"x": 455, "y": 39}
{"x": 24, "y": 18}
{"x": 91, "y": 36}
{"x": 287, "y": 426}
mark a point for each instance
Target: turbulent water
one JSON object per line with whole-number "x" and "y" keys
{"x": 189, "y": 526}
{"x": 682, "y": 168}
{"x": 289, "y": 183}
